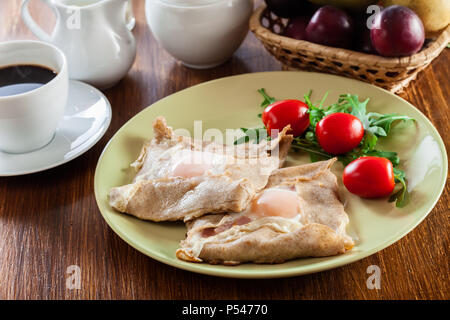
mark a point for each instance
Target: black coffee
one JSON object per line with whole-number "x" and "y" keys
{"x": 23, "y": 78}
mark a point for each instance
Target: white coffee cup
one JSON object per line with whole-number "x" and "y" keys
{"x": 28, "y": 121}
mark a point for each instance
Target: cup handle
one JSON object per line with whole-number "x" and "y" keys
{"x": 31, "y": 24}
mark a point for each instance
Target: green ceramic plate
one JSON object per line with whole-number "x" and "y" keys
{"x": 233, "y": 102}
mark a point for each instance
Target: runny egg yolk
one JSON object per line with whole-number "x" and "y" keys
{"x": 189, "y": 170}
{"x": 192, "y": 165}
{"x": 276, "y": 202}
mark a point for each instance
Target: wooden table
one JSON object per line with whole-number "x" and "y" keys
{"x": 50, "y": 220}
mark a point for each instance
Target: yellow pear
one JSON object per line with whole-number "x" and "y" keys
{"x": 435, "y": 14}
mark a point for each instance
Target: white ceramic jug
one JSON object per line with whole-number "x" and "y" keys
{"x": 94, "y": 35}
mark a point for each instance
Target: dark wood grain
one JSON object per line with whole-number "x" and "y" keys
{"x": 49, "y": 220}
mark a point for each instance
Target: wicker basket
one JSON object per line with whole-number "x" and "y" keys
{"x": 393, "y": 74}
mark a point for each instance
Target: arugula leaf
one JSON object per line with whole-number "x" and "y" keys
{"x": 401, "y": 197}
{"x": 390, "y": 155}
{"x": 357, "y": 108}
{"x": 336, "y": 107}
{"x": 243, "y": 139}
{"x": 367, "y": 149}
{"x": 310, "y": 136}
{"x": 323, "y": 99}
{"x": 252, "y": 134}
{"x": 267, "y": 99}
{"x": 385, "y": 121}
{"x": 379, "y": 131}
{"x": 315, "y": 151}
{"x": 315, "y": 113}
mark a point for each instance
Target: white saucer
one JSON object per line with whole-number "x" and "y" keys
{"x": 85, "y": 121}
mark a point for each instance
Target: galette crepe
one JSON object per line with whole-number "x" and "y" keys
{"x": 180, "y": 178}
{"x": 298, "y": 214}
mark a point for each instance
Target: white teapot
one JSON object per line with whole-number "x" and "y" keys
{"x": 94, "y": 35}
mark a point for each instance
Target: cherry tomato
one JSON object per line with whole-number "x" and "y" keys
{"x": 286, "y": 112}
{"x": 369, "y": 177}
{"x": 339, "y": 132}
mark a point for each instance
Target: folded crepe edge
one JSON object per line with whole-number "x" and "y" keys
{"x": 120, "y": 197}
{"x": 323, "y": 241}
{"x": 163, "y": 132}
{"x": 304, "y": 172}
{"x": 284, "y": 142}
